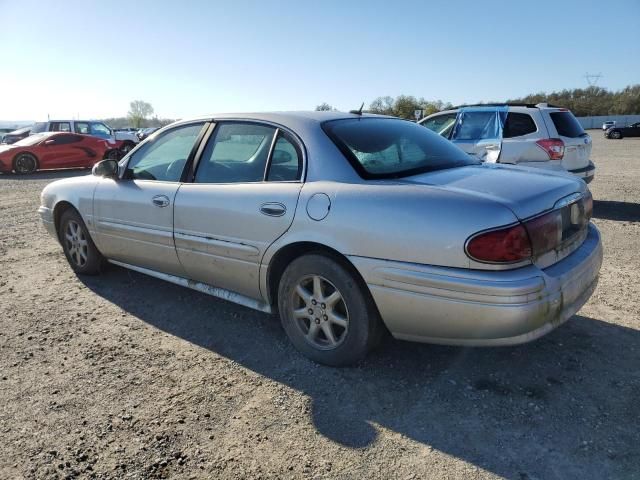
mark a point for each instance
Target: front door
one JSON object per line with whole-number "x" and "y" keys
{"x": 478, "y": 131}
{"x": 133, "y": 215}
{"x": 243, "y": 197}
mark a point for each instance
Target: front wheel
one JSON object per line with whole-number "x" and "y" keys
{"x": 616, "y": 135}
{"x": 126, "y": 147}
{"x": 25, "y": 163}
{"x": 326, "y": 313}
{"x": 81, "y": 252}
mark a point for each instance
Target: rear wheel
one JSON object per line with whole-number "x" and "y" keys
{"x": 326, "y": 313}
{"x": 25, "y": 163}
{"x": 615, "y": 135}
{"x": 112, "y": 155}
{"x": 81, "y": 253}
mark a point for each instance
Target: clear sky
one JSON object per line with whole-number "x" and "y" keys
{"x": 187, "y": 58}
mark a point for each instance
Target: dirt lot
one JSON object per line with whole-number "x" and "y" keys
{"x": 125, "y": 376}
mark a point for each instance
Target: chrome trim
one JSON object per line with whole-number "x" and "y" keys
{"x": 201, "y": 287}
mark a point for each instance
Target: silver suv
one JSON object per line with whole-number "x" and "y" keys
{"x": 541, "y": 135}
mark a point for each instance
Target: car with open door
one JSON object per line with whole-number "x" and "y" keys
{"x": 540, "y": 136}
{"x": 346, "y": 225}
{"x": 52, "y": 150}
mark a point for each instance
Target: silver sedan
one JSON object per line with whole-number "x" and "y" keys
{"x": 347, "y": 225}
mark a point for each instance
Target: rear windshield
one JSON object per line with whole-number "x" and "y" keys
{"x": 392, "y": 148}
{"x": 567, "y": 125}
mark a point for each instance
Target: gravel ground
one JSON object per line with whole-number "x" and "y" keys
{"x": 125, "y": 376}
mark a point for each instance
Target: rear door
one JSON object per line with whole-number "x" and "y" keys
{"x": 519, "y": 138}
{"x": 243, "y": 197}
{"x": 577, "y": 143}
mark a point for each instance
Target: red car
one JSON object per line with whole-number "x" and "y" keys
{"x": 55, "y": 150}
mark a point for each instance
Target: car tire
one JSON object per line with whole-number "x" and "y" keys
{"x": 81, "y": 252}
{"x": 114, "y": 154}
{"x": 615, "y": 135}
{"x": 126, "y": 147}
{"x": 327, "y": 312}
{"x": 25, "y": 163}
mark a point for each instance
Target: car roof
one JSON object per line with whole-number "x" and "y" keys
{"x": 286, "y": 117}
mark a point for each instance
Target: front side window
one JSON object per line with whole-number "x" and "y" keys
{"x": 100, "y": 130}
{"x": 66, "y": 139}
{"x": 441, "y": 124}
{"x": 82, "y": 127}
{"x": 164, "y": 158}
{"x": 392, "y": 148}
{"x": 237, "y": 152}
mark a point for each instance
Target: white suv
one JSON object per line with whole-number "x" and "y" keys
{"x": 528, "y": 135}
{"x": 126, "y": 140}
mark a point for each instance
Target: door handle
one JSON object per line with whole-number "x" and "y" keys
{"x": 160, "y": 201}
{"x": 273, "y": 209}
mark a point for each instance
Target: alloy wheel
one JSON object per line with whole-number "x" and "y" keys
{"x": 76, "y": 243}
{"x": 25, "y": 164}
{"x": 320, "y": 312}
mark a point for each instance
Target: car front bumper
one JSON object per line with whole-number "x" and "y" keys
{"x": 481, "y": 308}
{"x": 46, "y": 215}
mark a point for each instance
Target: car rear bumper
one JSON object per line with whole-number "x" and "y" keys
{"x": 46, "y": 215}
{"x": 587, "y": 173}
{"x": 481, "y": 308}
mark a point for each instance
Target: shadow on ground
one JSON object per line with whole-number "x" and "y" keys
{"x": 562, "y": 407}
{"x": 621, "y": 211}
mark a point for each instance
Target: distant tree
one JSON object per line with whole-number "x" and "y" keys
{"x": 139, "y": 110}
{"x": 324, "y": 107}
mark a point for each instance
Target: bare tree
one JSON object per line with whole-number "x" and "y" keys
{"x": 139, "y": 110}
{"x": 324, "y": 107}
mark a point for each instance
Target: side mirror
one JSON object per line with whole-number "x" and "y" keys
{"x": 106, "y": 168}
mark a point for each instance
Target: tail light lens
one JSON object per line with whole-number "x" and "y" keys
{"x": 545, "y": 232}
{"x": 507, "y": 245}
{"x": 553, "y": 146}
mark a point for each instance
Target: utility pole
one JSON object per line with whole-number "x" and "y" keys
{"x": 592, "y": 78}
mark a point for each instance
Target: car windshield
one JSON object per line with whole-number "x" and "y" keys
{"x": 392, "y": 148}
{"x": 39, "y": 127}
{"x": 31, "y": 140}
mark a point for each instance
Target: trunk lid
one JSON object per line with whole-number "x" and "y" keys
{"x": 525, "y": 191}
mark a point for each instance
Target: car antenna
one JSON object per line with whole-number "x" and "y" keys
{"x": 357, "y": 112}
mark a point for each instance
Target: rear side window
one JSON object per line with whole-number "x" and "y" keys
{"x": 60, "y": 127}
{"x": 391, "y": 148}
{"x": 566, "y": 124}
{"x": 518, "y": 124}
{"x": 66, "y": 139}
{"x": 286, "y": 161}
{"x": 237, "y": 153}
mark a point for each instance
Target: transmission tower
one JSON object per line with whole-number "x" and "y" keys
{"x": 592, "y": 78}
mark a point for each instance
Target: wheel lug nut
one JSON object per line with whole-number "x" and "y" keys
{"x": 323, "y": 306}
{"x": 310, "y": 311}
{"x": 317, "y": 321}
{"x": 325, "y": 318}
{"x": 313, "y": 302}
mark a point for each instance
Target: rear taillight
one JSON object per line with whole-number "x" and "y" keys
{"x": 545, "y": 232}
{"x": 554, "y": 147}
{"x": 507, "y": 245}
